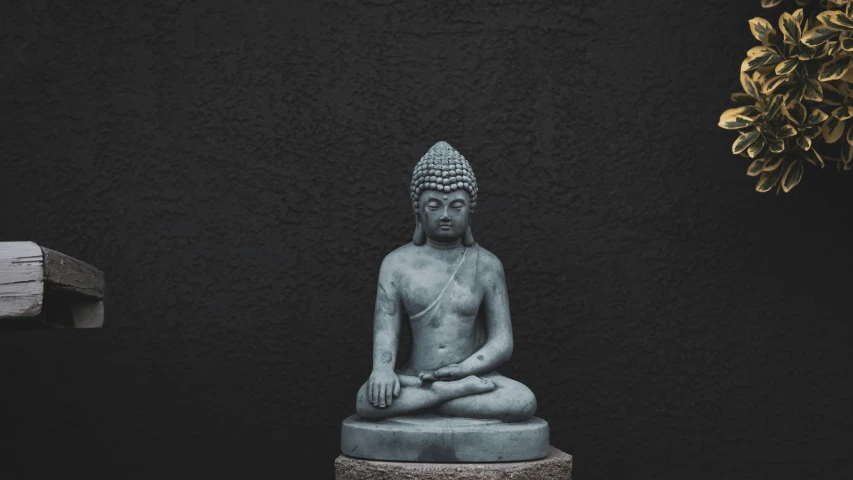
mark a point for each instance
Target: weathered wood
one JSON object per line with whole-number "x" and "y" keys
{"x": 21, "y": 279}
{"x": 62, "y": 272}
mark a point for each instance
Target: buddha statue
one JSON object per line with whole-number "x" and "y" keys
{"x": 446, "y": 402}
{"x": 453, "y": 294}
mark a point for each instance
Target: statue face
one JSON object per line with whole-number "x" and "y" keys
{"x": 444, "y": 216}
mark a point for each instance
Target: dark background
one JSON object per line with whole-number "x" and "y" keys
{"x": 239, "y": 169}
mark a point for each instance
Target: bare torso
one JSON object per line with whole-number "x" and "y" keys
{"x": 452, "y": 367}
{"x": 452, "y": 331}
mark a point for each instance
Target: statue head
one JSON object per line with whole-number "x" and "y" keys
{"x": 444, "y": 194}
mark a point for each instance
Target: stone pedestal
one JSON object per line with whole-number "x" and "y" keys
{"x": 434, "y": 438}
{"x": 556, "y": 465}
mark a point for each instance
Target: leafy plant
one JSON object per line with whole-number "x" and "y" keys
{"x": 796, "y": 95}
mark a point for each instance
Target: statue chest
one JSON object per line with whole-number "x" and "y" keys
{"x": 460, "y": 296}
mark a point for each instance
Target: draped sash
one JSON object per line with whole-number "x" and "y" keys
{"x": 433, "y": 306}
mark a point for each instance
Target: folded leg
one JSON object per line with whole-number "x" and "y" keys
{"x": 416, "y": 396}
{"x": 510, "y": 401}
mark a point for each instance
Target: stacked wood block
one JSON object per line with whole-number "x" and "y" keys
{"x": 39, "y": 286}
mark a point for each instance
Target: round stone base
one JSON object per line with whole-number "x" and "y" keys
{"x": 433, "y": 438}
{"x": 556, "y": 465}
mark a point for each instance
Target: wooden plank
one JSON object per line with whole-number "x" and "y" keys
{"x": 21, "y": 279}
{"x": 62, "y": 272}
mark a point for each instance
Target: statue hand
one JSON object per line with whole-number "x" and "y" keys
{"x": 449, "y": 372}
{"x": 382, "y": 387}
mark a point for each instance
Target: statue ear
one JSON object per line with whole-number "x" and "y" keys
{"x": 468, "y": 239}
{"x": 419, "y": 238}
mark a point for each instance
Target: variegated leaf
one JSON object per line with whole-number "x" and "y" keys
{"x": 817, "y": 116}
{"x": 756, "y": 147}
{"x": 744, "y": 141}
{"x": 834, "y": 69}
{"x": 812, "y": 131}
{"x": 786, "y": 67}
{"x": 836, "y": 20}
{"x": 827, "y": 49}
{"x": 795, "y": 111}
{"x": 768, "y": 180}
{"x": 760, "y": 61}
{"x": 749, "y": 86}
{"x": 759, "y": 51}
{"x": 787, "y": 131}
{"x": 772, "y": 84}
{"x": 817, "y": 36}
{"x": 804, "y": 142}
{"x": 805, "y": 52}
{"x": 847, "y": 42}
{"x": 731, "y": 113}
{"x": 790, "y": 28}
{"x": 760, "y": 28}
{"x": 777, "y": 146}
{"x": 843, "y": 112}
{"x": 793, "y": 95}
{"x": 773, "y": 108}
{"x": 770, "y": 3}
{"x": 849, "y": 136}
{"x": 772, "y": 163}
{"x": 814, "y": 158}
{"x": 833, "y": 129}
{"x": 792, "y": 176}
{"x": 755, "y": 168}
{"x": 813, "y": 91}
{"x": 736, "y": 123}
{"x": 741, "y": 97}
{"x": 798, "y": 16}
{"x": 831, "y": 95}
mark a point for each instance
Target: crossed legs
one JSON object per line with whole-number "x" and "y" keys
{"x": 491, "y": 396}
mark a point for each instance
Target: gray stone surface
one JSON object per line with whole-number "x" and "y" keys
{"x": 557, "y": 465}
{"x": 431, "y": 438}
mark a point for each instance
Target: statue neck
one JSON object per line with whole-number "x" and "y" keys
{"x": 439, "y": 245}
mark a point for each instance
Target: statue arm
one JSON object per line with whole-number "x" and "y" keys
{"x": 499, "y": 344}
{"x": 387, "y": 320}
{"x": 384, "y": 384}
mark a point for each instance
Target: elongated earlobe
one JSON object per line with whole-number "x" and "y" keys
{"x": 468, "y": 239}
{"x": 419, "y": 238}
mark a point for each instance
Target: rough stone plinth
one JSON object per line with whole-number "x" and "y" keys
{"x": 433, "y": 438}
{"x": 556, "y": 465}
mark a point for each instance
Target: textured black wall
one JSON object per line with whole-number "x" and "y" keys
{"x": 239, "y": 169}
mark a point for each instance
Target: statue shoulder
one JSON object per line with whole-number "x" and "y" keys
{"x": 489, "y": 263}
{"x": 396, "y": 258}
